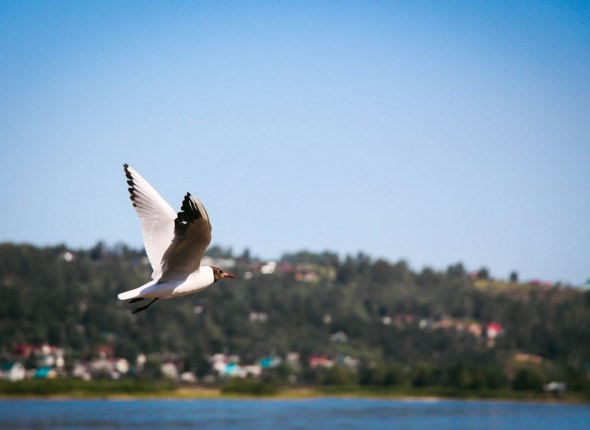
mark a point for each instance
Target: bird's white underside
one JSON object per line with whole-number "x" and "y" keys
{"x": 194, "y": 282}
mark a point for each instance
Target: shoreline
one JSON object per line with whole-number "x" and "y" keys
{"x": 206, "y": 393}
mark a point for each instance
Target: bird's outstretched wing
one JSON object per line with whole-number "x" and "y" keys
{"x": 157, "y": 219}
{"x": 192, "y": 235}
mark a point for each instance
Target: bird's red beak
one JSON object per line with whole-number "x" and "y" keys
{"x": 227, "y": 275}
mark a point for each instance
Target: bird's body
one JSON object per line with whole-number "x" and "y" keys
{"x": 199, "y": 279}
{"x": 174, "y": 243}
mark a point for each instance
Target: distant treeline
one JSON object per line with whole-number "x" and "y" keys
{"x": 386, "y": 314}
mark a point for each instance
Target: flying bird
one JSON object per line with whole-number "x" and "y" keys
{"x": 174, "y": 243}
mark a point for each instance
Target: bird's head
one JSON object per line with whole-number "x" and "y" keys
{"x": 219, "y": 274}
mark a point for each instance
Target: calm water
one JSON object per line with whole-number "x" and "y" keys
{"x": 289, "y": 414}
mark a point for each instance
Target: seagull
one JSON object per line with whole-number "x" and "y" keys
{"x": 174, "y": 243}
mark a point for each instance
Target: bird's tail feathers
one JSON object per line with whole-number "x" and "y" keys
{"x": 135, "y": 293}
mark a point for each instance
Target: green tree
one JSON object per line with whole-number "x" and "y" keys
{"x": 527, "y": 380}
{"x": 339, "y": 375}
{"x": 483, "y": 273}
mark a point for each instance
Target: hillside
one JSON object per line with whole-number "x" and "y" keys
{"x": 340, "y": 320}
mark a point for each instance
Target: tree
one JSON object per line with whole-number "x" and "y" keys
{"x": 527, "y": 380}
{"x": 424, "y": 375}
{"x": 381, "y": 272}
{"x": 460, "y": 376}
{"x": 483, "y": 273}
{"x": 245, "y": 257}
{"x": 339, "y": 375}
{"x": 395, "y": 374}
{"x": 456, "y": 270}
{"x": 372, "y": 374}
{"x": 347, "y": 272}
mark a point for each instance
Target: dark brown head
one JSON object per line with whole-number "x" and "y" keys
{"x": 219, "y": 274}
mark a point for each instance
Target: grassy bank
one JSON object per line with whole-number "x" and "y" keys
{"x": 79, "y": 388}
{"x": 75, "y": 388}
{"x": 440, "y": 392}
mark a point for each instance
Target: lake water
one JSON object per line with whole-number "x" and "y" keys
{"x": 325, "y": 413}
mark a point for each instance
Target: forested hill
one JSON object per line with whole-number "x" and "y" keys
{"x": 374, "y": 311}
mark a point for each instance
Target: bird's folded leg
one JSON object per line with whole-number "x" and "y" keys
{"x": 143, "y": 308}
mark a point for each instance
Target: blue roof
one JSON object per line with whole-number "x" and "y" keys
{"x": 42, "y": 372}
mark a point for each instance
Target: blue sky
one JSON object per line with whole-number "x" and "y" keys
{"x": 436, "y": 132}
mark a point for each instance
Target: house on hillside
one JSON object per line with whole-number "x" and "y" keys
{"x": 316, "y": 361}
{"x": 474, "y": 329}
{"x": 225, "y": 365}
{"x": 22, "y": 350}
{"x": 13, "y": 371}
{"x": 307, "y": 276}
{"x": 293, "y": 359}
{"x": 339, "y": 337}
{"x": 81, "y": 370}
{"x": 43, "y": 355}
{"x": 426, "y": 323}
{"x": 493, "y": 330}
{"x": 170, "y": 370}
{"x": 258, "y": 317}
{"x": 269, "y": 268}
{"x": 231, "y": 369}
{"x": 111, "y": 367}
{"x": 555, "y": 387}
{"x": 444, "y": 324}
{"x": 401, "y": 321}
{"x": 523, "y": 357}
{"x": 269, "y": 362}
{"x": 347, "y": 360}
{"x": 45, "y": 373}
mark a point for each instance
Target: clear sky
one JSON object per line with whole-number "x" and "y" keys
{"x": 437, "y": 132}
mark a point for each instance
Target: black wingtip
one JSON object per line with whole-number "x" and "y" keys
{"x": 128, "y": 173}
{"x": 189, "y": 213}
{"x": 130, "y": 182}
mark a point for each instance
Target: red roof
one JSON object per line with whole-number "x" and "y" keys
{"x": 495, "y": 326}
